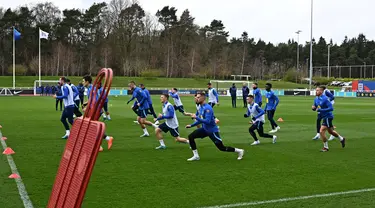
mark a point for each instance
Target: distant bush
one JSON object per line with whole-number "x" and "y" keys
{"x": 149, "y": 73}
{"x": 20, "y": 70}
{"x": 291, "y": 75}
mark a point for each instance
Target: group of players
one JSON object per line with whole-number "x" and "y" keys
{"x": 204, "y": 118}
{"x": 71, "y": 98}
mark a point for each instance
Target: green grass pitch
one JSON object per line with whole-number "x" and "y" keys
{"x": 134, "y": 174}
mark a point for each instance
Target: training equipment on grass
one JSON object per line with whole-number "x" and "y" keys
{"x": 8, "y": 151}
{"x": 14, "y": 175}
{"x": 81, "y": 150}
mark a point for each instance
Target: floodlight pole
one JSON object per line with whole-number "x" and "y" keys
{"x": 311, "y": 45}
{"x": 297, "y": 67}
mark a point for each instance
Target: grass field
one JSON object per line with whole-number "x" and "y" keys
{"x": 118, "y": 81}
{"x": 134, "y": 174}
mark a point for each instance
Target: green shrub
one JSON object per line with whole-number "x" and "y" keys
{"x": 290, "y": 76}
{"x": 20, "y": 69}
{"x": 149, "y": 73}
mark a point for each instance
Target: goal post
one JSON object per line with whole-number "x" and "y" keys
{"x": 224, "y": 85}
{"x": 43, "y": 83}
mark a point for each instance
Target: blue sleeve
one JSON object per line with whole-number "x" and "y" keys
{"x": 169, "y": 113}
{"x": 75, "y": 92}
{"x": 196, "y": 123}
{"x": 247, "y": 113}
{"x": 315, "y": 105}
{"x": 208, "y": 117}
{"x": 173, "y": 95}
{"x": 330, "y": 95}
{"x": 216, "y": 95}
{"x": 329, "y": 106}
{"x": 131, "y": 99}
{"x": 143, "y": 97}
{"x": 261, "y": 112}
{"x": 276, "y": 100}
{"x": 65, "y": 94}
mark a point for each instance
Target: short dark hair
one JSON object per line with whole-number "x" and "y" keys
{"x": 88, "y": 78}
{"x": 251, "y": 96}
{"x": 165, "y": 95}
{"x": 64, "y": 79}
{"x": 255, "y": 83}
{"x": 209, "y": 83}
{"x": 141, "y": 85}
{"x": 201, "y": 94}
{"x": 269, "y": 84}
{"x": 175, "y": 89}
{"x": 67, "y": 80}
{"x": 322, "y": 87}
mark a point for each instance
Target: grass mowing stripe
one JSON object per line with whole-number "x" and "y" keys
{"x": 292, "y": 198}
{"x": 20, "y": 185}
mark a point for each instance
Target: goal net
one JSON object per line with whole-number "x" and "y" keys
{"x": 5, "y": 92}
{"x": 224, "y": 85}
{"x": 45, "y": 87}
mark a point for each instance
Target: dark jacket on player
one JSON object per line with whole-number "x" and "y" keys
{"x": 245, "y": 91}
{"x": 233, "y": 91}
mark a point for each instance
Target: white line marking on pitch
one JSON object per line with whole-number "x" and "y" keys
{"x": 21, "y": 186}
{"x": 291, "y": 198}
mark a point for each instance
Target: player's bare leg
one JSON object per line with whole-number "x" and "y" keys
{"x": 335, "y": 134}
{"x": 108, "y": 116}
{"x": 323, "y": 130}
{"x": 332, "y": 137}
{"x": 143, "y": 127}
{"x": 149, "y": 123}
{"x": 159, "y": 136}
{"x": 182, "y": 140}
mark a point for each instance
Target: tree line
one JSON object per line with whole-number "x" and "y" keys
{"x": 123, "y": 36}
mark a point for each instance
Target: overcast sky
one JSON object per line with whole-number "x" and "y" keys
{"x": 271, "y": 20}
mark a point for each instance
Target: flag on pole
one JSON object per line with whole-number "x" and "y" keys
{"x": 43, "y": 34}
{"x": 16, "y": 34}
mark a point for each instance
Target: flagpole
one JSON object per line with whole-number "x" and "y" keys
{"x": 39, "y": 61}
{"x": 14, "y": 60}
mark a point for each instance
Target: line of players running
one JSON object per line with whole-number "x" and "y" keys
{"x": 204, "y": 115}
{"x": 70, "y": 96}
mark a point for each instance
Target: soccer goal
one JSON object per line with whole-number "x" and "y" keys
{"x": 44, "y": 86}
{"x": 224, "y": 85}
{"x": 6, "y": 92}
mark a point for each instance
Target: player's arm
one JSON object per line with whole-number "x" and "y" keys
{"x": 173, "y": 95}
{"x": 216, "y": 95}
{"x": 261, "y": 112}
{"x": 208, "y": 117}
{"x": 131, "y": 99}
{"x": 75, "y": 92}
{"x": 276, "y": 100}
{"x": 329, "y": 106}
{"x": 169, "y": 114}
{"x": 143, "y": 97}
{"x": 64, "y": 94}
{"x": 330, "y": 95}
{"x": 314, "y": 106}
{"x": 247, "y": 114}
